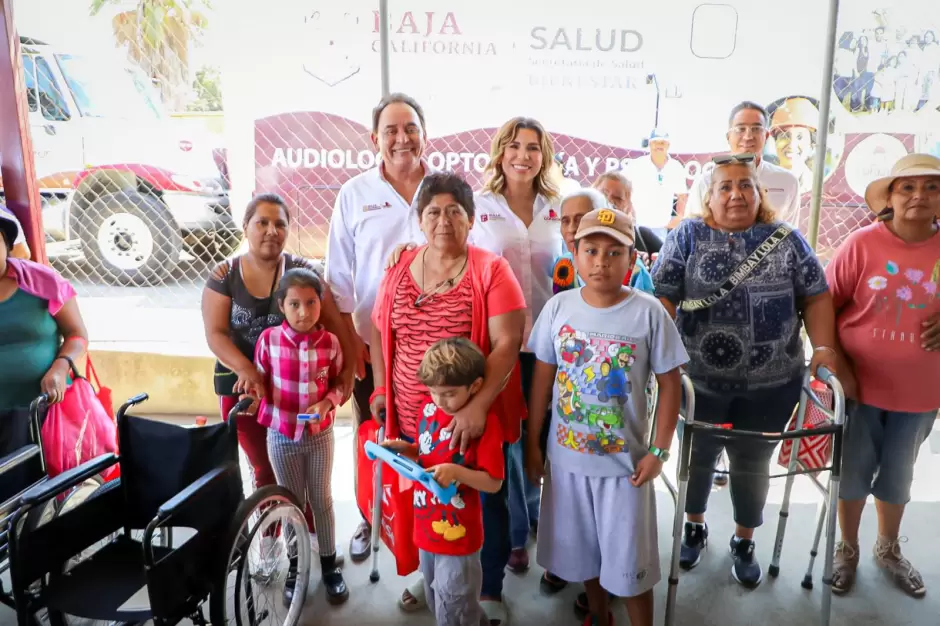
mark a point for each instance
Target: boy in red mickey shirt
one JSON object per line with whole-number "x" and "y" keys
{"x": 449, "y": 537}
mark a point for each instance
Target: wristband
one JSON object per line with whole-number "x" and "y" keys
{"x": 379, "y": 391}
{"x": 825, "y": 349}
{"x": 662, "y": 455}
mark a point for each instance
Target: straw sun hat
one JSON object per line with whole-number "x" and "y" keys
{"x": 876, "y": 194}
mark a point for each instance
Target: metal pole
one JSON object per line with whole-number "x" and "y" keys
{"x": 825, "y": 100}
{"x": 383, "y": 44}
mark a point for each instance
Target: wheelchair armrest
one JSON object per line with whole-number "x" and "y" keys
{"x": 199, "y": 487}
{"x": 19, "y": 457}
{"x": 66, "y": 480}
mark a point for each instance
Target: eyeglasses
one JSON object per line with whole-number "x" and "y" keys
{"x": 741, "y": 129}
{"x": 725, "y": 159}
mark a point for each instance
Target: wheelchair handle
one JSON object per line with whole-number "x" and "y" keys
{"x": 141, "y": 397}
{"x": 240, "y": 407}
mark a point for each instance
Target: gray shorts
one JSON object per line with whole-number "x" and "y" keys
{"x": 599, "y": 527}
{"x": 879, "y": 452}
{"x": 452, "y": 585}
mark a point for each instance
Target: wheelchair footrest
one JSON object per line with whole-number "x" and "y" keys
{"x": 109, "y": 585}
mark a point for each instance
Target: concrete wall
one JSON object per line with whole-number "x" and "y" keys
{"x": 178, "y": 385}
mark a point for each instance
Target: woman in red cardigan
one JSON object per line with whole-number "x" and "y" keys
{"x": 444, "y": 289}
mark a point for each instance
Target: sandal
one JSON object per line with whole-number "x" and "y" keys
{"x": 495, "y": 612}
{"x": 581, "y": 604}
{"x": 412, "y": 598}
{"x": 844, "y": 564}
{"x": 551, "y": 584}
{"x": 888, "y": 556}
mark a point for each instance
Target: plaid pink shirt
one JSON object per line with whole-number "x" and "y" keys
{"x": 300, "y": 370}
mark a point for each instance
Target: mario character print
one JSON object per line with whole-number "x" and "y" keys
{"x": 575, "y": 349}
{"x": 593, "y": 389}
{"x": 614, "y": 383}
{"x": 569, "y": 399}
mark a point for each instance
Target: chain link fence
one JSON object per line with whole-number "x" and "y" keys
{"x": 129, "y": 158}
{"x": 134, "y": 156}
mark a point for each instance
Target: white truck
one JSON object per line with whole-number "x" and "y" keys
{"x": 123, "y": 189}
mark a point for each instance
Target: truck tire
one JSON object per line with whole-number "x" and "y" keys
{"x": 130, "y": 238}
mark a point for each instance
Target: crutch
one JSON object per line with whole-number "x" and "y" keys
{"x": 685, "y": 453}
{"x": 377, "y": 507}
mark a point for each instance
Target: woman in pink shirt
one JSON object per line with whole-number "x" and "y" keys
{"x": 884, "y": 282}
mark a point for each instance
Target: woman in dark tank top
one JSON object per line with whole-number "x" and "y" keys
{"x": 238, "y": 304}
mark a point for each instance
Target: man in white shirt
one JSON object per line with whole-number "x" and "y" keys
{"x": 373, "y": 214}
{"x": 659, "y": 184}
{"x": 748, "y": 131}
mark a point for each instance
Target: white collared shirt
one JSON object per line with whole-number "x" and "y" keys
{"x": 531, "y": 252}
{"x": 781, "y": 186}
{"x": 655, "y": 189}
{"x": 369, "y": 219}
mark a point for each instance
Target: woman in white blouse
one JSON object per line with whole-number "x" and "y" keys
{"x": 518, "y": 217}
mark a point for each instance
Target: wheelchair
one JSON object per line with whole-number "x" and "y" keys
{"x": 21, "y": 469}
{"x": 102, "y": 559}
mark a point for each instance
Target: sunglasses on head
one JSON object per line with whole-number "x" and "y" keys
{"x": 725, "y": 159}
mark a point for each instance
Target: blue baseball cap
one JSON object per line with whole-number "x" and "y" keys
{"x": 658, "y": 134}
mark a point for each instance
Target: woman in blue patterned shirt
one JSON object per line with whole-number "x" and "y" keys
{"x": 743, "y": 339}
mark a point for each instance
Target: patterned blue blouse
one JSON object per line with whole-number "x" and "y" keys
{"x": 751, "y": 339}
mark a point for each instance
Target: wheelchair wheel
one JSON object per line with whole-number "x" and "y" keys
{"x": 266, "y": 570}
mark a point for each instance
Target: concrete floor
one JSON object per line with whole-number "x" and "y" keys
{"x": 706, "y": 596}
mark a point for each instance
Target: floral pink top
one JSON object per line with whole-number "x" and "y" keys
{"x": 884, "y": 289}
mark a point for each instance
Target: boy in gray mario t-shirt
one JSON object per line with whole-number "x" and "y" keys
{"x": 595, "y": 349}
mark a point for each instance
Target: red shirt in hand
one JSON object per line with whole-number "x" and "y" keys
{"x": 455, "y": 529}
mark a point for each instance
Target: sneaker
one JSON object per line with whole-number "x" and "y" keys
{"x": 336, "y": 590}
{"x": 720, "y": 480}
{"x": 694, "y": 541}
{"x": 361, "y": 543}
{"x": 315, "y": 548}
{"x": 746, "y": 570}
{"x": 518, "y": 561}
{"x": 269, "y": 554}
{"x": 889, "y": 558}
{"x": 290, "y": 581}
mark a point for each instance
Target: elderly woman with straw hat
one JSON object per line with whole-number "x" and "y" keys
{"x": 884, "y": 282}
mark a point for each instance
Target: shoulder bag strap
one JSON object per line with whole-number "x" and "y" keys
{"x": 741, "y": 272}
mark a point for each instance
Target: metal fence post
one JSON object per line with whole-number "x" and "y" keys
{"x": 383, "y": 45}
{"x": 825, "y": 100}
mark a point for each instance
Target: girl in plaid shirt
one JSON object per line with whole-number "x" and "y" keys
{"x": 301, "y": 364}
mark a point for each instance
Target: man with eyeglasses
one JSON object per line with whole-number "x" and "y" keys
{"x": 748, "y": 131}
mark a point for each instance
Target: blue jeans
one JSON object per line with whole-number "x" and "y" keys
{"x": 495, "y": 553}
{"x": 767, "y": 410}
{"x": 523, "y": 496}
{"x": 879, "y": 452}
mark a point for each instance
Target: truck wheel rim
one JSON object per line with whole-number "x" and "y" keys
{"x": 125, "y": 241}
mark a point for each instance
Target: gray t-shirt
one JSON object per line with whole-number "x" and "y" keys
{"x": 600, "y": 425}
